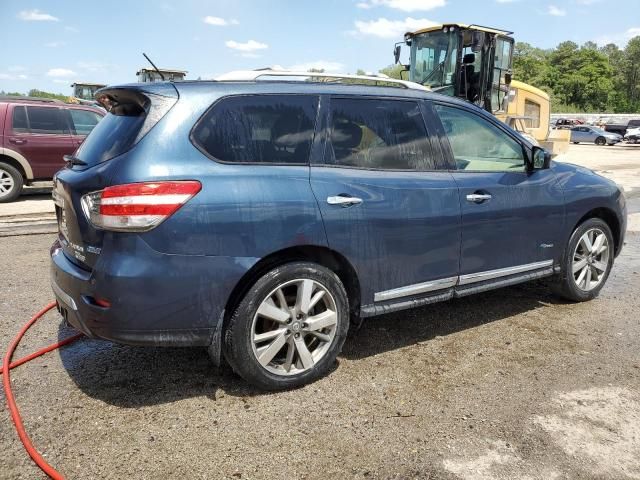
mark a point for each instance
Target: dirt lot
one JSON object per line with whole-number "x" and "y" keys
{"x": 511, "y": 384}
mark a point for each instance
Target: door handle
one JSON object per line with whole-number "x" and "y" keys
{"x": 478, "y": 197}
{"x": 17, "y": 141}
{"x": 343, "y": 200}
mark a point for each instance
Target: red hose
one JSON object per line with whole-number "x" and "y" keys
{"x": 11, "y": 402}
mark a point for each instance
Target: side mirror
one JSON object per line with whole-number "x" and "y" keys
{"x": 396, "y": 53}
{"x": 539, "y": 159}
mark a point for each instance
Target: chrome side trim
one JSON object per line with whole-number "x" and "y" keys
{"x": 64, "y": 296}
{"x": 502, "y": 272}
{"x": 415, "y": 289}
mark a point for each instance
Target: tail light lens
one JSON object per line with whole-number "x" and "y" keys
{"x": 137, "y": 207}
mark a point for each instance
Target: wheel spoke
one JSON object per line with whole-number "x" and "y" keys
{"x": 263, "y": 337}
{"x": 291, "y": 350}
{"x": 586, "y": 242}
{"x": 269, "y": 310}
{"x": 266, "y": 354}
{"x": 281, "y": 299}
{"x": 316, "y": 298}
{"x": 303, "y": 300}
{"x": 600, "y": 239}
{"x": 303, "y": 353}
{"x": 322, "y": 320}
{"x": 321, "y": 336}
{"x": 587, "y": 282}
{"x": 583, "y": 273}
{"x": 577, "y": 266}
{"x": 600, "y": 266}
{"x": 602, "y": 249}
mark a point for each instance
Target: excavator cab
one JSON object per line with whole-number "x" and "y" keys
{"x": 466, "y": 61}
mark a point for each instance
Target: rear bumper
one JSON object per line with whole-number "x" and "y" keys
{"x": 156, "y": 299}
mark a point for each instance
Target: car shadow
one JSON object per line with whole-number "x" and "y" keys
{"x": 131, "y": 377}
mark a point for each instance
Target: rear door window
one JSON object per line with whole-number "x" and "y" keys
{"x": 19, "y": 122}
{"x": 258, "y": 129}
{"x": 47, "y": 120}
{"x": 84, "y": 121}
{"x": 378, "y": 134}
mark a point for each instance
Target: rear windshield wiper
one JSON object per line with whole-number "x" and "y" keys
{"x": 71, "y": 160}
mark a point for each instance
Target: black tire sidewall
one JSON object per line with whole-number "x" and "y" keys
{"x": 237, "y": 346}
{"x": 17, "y": 182}
{"x": 569, "y": 289}
{"x": 601, "y": 141}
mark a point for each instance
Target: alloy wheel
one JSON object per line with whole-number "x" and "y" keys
{"x": 294, "y": 327}
{"x": 590, "y": 259}
{"x": 6, "y": 183}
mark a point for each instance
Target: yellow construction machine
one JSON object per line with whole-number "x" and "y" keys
{"x": 475, "y": 63}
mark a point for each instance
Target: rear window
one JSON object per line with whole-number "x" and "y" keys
{"x": 114, "y": 135}
{"x": 19, "y": 123}
{"x": 258, "y": 129}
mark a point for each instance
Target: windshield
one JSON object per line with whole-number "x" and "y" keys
{"x": 433, "y": 58}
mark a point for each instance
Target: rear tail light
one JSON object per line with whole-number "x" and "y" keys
{"x": 137, "y": 207}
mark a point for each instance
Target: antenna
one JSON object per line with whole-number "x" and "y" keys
{"x": 154, "y": 66}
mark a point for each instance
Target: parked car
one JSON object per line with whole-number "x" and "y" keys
{"x": 260, "y": 219}
{"x": 633, "y": 135}
{"x": 566, "y": 123}
{"x": 35, "y": 134}
{"x": 594, "y": 135}
{"x": 621, "y": 128}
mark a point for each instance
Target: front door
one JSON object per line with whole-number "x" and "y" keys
{"x": 512, "y": 220}
{"x": 389, "y": 204}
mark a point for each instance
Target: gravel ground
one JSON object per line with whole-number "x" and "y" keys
{"x": 511, "y": 384}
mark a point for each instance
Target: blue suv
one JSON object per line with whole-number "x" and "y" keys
{"x": 261, "y": 218}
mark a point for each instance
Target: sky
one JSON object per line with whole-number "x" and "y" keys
{"x": 48, "y": 44}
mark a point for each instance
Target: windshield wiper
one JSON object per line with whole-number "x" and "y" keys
{"x": 71, "y": 160}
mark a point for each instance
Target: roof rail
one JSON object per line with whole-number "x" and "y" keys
{"x": 254, "y": 75}
{"x": 20, "y": 98}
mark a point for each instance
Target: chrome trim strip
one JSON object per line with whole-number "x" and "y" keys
{"x": 502, "y": 272}
{"x": 415, "y": 289}
{"x": 64, "y": 296}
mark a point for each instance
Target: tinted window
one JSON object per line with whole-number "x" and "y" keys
{"x": 264, "y": 129}
{"x": 112, "y": 136}
{"x": 477, "y": 144}
{"x": 381, "y": 134}
{"x": 48, "y": 120}
{"x": 84, "y": 121}
{"x": 19, "y": 123}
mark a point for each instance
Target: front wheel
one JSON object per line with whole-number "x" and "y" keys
{"x": 289, "y": 328}
{"x": 601, "y": 141}
{"x": 587, "y": 261}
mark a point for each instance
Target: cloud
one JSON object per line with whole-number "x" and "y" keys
{"x": 60, "y": 80}
{"x": 250, "y": 46}
{"x": 587, "y": 2}
{"x": 325, "y": 65}
{"x": 385, "y": 28}
{"x": 507, "y": 1}
{"x": 619, "y": 38}
{"x": 16, "y": 68}
{"x": 71, "y": 29}
{"x": 13, "y": 76}
{"x": 55, "y": 44}
{"x": 219, "y": 22}
{"x": 60, "y": 72}
{"x": 556, "y": 11}
{"x": 36, "y": 15}
{"x": 404, "y": 5}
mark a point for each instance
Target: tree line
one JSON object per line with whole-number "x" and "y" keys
{"x": 583, "y": 79}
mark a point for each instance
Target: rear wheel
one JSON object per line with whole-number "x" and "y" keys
{"x": 10, "y": 183}
{"x": 601, "y": 141}
{"x": 587, "y": 261}
{"x": 289, "y": 328}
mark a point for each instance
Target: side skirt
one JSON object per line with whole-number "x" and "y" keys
{"x": 404, "y": 303}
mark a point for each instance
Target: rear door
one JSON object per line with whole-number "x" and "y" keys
{"x": 41, "y": 134}
{"x": 388, "y": 203}
{"x": 512, "y": 220}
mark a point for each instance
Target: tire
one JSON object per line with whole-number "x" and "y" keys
{"x": 576, "y": 143}
{"x": 300, "y": 353}
{"x": 11, "y": 182}
{"x": 573, "y": 286}
{"x": 601, "y": 141}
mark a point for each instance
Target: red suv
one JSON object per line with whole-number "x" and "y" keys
{"x": 34, "y": 136}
